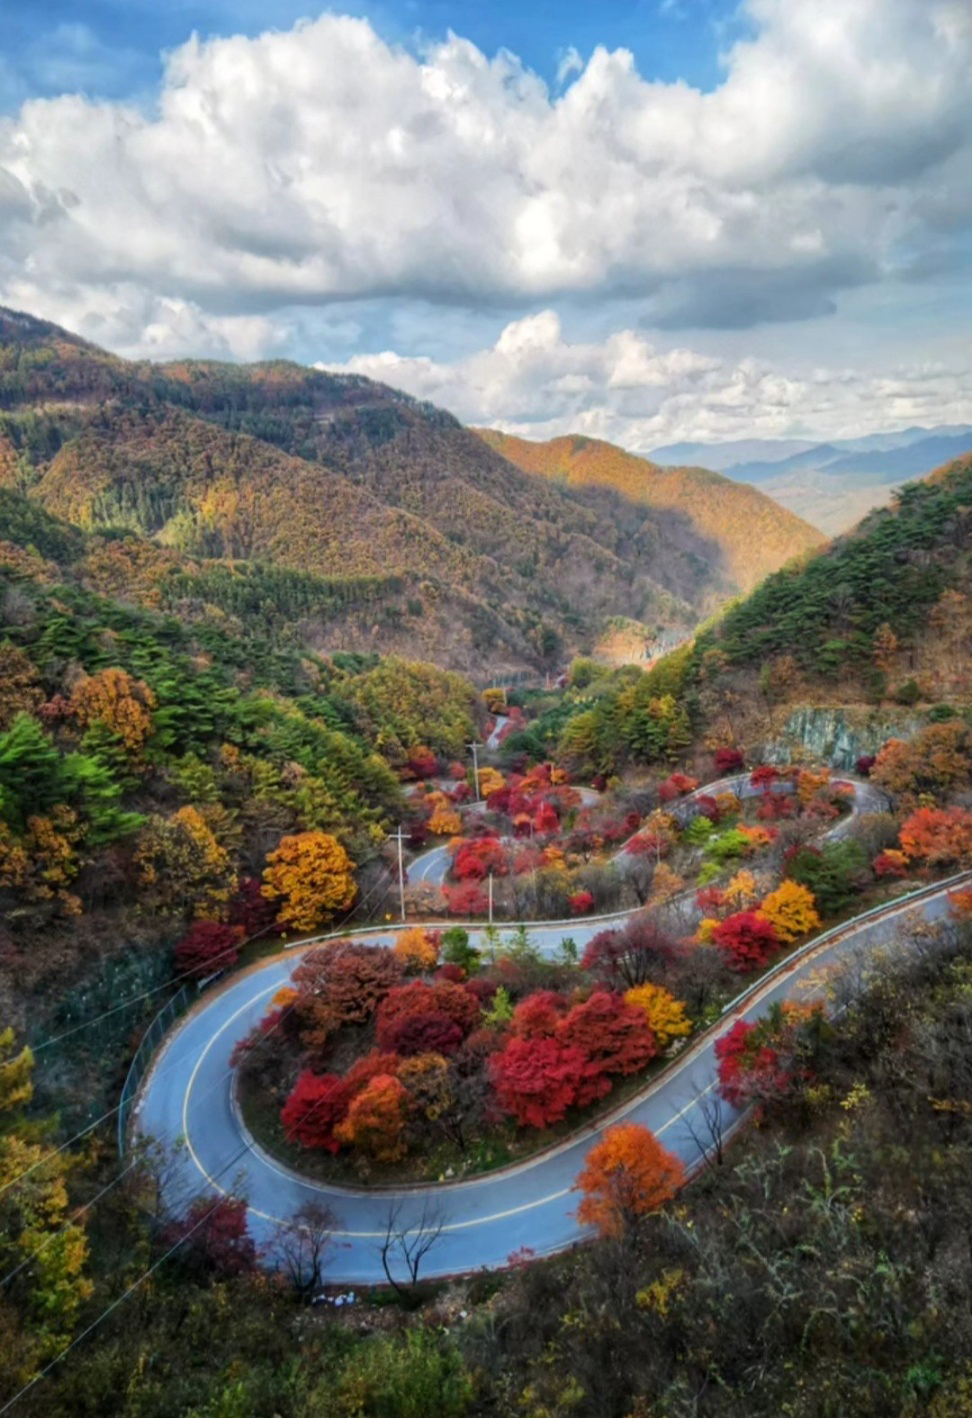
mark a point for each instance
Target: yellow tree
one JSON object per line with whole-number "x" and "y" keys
{"x": 741, "y": 891}
{"x": 626, "y": 1176}
{"x": 122, "y": 703}
{"x": 792, "y": 911}
{"x": 417, "y": 950}
{"x": 490, "y": 781}
{"x": 444, "y": 821}
{"x": 665, "y": 1014}
{"x": 34, "y": 1228}
{"x": 310, "y": 874}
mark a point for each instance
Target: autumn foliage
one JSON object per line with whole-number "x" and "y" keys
{"x": 207, "y": 946}
{"x": 315, "y": 1107}
{"x": 938, "y": 836}
{"x": 627, "y": 1175}
{"x": 665, "y": 1014}
{"x": 791, "y": 911}
{"x": 310, "y": 874}
{"x": 536, "y": 1079}
{"x": 747, "y": 939}
{"x": 417, "y": 949}
{"x": 376, "y": 1119}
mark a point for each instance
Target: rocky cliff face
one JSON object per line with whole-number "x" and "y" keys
{"x": 839, "y": 735}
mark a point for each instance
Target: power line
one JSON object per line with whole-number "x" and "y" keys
{"x": 167, "y": 984}
{"x": 123, "y": 1297}
{"x": 90, "y": 1127}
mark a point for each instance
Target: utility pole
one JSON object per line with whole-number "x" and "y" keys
{"x": 491, "y": 898}
{"x": 399, "y": 837}
{"x": 475, "y": 753}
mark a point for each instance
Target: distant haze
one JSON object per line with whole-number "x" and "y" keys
{"x": 833, "y": 484}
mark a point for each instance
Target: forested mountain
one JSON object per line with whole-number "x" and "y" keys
{"x": 756, "y": 534}
{"x": 148, "y": 764}
{"x": 338, "y": 476}
{"x": 880, "y": 617}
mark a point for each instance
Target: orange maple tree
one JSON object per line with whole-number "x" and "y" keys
{"x": 626, "y": 1176}
{"x": 310, "y": 874}
{"x": 417, "y": 949}
{"x": 376, "y": 1119}
{"x": 938, "y": 836}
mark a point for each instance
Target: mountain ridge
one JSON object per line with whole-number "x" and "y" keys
{"x": 754, "y": 543}
{"x": 339, "y": 475}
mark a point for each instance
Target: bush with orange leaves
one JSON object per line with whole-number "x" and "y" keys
{"x": 310, "y": 874}
{"x": 417, "y": 949}
{"x": 938, "y": 836}
{"x": 375, "y": 1121}
{"x": 122, "y": 703}
{"x": 444, "y": 822}
{"x": 626, "y": 1176}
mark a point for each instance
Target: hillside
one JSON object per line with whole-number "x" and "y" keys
{"x": 148, "y": 762}
{"x": 756, "y": 535}
{"x": 337, "y": 476}
{"x": 870, "y": 637}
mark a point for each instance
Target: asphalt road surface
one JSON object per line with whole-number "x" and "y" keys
{"x": 187, "y": 1095}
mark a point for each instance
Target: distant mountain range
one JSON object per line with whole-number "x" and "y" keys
{"x": 405, "y": 532}
{"x": 831, "y": 484}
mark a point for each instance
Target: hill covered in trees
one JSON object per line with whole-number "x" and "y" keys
{"x": 337, "y": 476}
{"x": 878, "y": 622}
{"x": 150, "y": 763}
{"x": 756, "y": 535}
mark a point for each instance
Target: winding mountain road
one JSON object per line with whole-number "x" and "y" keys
{"x": 188, "y": 1094}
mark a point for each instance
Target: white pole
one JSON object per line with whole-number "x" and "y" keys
{"x": 400, "y": 837}
{"x": 475, "y": 754}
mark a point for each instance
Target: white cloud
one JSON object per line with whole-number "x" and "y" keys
{"x": 535, "y": 383}
{"x": 321, "y": 165}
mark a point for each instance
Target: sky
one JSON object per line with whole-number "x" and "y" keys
{"x": 642, "y": 220}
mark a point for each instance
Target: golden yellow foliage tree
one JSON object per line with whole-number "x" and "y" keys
{"x": 444, "y": 822}
{"x": 310, "y": 874}
{"x": 119, "y": 701}
{"x": 34, "y": 1224}
{"x": 665, "y": 1014}
{"x": 792, "y": 910}
{"x": 490, "y": 781}
{"x": 43, "y": 862}
{"x": 416, "y": 949}
{"x": 741, "y": 891}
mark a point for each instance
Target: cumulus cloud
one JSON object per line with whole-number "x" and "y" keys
{"x": 323, "y": 165}
{"x": 536, "y": 383}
